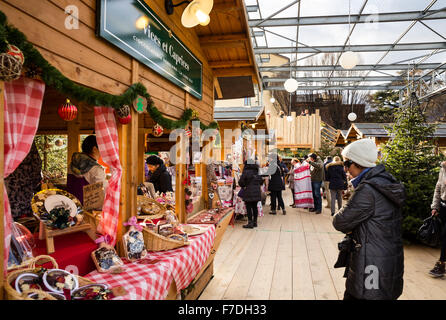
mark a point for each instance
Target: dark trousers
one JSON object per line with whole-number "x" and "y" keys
{"x": 292, "y": 195}
{"x": 442, "y": 216}
{"x": 316, "y": 188}
{"x": 251, "y": 210}
{"x": 277, "y": 195}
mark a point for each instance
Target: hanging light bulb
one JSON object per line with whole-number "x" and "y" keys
{"x": 197, "y": 12}
{"x": 349, "y": 60}
{"x": 272, "y": 100}
{"x": 352, "y": 116}
{"x": 291, "y": 85}
{"x": 289, "y": 118}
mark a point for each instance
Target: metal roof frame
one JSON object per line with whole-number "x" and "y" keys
{"x": 349, "y": 81}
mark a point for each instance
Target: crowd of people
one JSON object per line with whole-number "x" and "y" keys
{"x": 371, "y": 218}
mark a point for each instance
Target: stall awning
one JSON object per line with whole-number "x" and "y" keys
{"x": 237, "y": 113}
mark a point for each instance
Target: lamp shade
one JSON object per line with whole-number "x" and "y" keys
{"x": 352, "y": 116}
{"x": 290, "y": 85}
{"x": 197, "y": 12}
{"x": 349, "y": 60}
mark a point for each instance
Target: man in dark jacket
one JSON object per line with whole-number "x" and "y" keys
{"x": 372, "y": 218}
{"x": 276, "y": 185}
{"x": 328, "y": 160}
{"x": 250, "y": 182}
{"x": 337, "y": 181}
{"x": 160, "y": 177}
{"x": 317, "y": 176}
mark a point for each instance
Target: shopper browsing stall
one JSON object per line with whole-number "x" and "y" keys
{"x": 160, "y": 177}
{"x": 250, "y": 182}
{"x": 84, "y": 168}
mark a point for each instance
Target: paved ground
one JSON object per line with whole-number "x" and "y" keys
{"x": 292, "y": 257}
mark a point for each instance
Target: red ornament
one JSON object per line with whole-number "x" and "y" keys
{"x": 67, "y": 111}
{"x": 16, "y": 53}
{"x": 125, "y": 120}
{"x": 157, "y": 130}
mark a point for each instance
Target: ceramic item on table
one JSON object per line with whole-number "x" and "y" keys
{"x": 56, "y": 280}
{"x": 27, "y": 281}
{"x": 58, "y": 200}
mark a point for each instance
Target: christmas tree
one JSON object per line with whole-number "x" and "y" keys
{"x": 411, "y": 157}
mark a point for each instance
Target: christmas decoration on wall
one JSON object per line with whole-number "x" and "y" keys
{"x": 11, "y": 63}
{"x": 59, "y": 143}
{"x": 195, "y": 114}
{"x": 157, "y": 130}
{"x": 140, "y": 104}
{"x": 123, "y": 114}
{"x": 55, "y": 79}
{"x": 67, "y": 111}
{"x": 33, "y": 71}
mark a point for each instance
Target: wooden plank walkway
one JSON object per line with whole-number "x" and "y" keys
{"x": 291, "y": 257}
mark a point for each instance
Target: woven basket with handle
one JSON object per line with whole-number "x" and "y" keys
{"x": 12, "y": 294}
{"x": 143, "y": 200}
{"x": 157, "y": 242}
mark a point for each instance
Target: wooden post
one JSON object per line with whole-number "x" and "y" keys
{"x": 141, "y": 150}
{"x": 2, "y": 187}
{"x": 180, "y": 172}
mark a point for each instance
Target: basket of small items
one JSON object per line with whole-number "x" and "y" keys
{"x": 106, "y": 258}
{"x": 38, "y": 283}
{"x": 149, "y": 208}
{"x": 164, "y": 235}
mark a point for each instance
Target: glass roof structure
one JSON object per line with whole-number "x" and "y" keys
{"x": 390, "y": 37}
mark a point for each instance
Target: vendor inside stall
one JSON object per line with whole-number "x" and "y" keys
{"x": 84, "y": 168}
{"x": 159, "y": 177}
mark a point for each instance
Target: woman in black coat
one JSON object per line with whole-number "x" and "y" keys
{"x": 275, "y": 186}
{"x": 337, "y": 181}
{"x": 250, "y": 182}
{"x": 160, "y": 177}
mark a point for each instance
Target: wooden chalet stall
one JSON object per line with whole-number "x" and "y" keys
{"x": 85, "y": 55}
{"x": 380, "y": 135}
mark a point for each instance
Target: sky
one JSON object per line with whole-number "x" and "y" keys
{"x": 377, "y": 33}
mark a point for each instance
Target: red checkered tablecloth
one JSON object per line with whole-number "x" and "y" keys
{"x": 186, "y": 262}
{"x": 142, "y": 281}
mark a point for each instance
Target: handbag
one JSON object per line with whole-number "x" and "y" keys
{"x": 241, "y": 193}
{"x": 430, "y": 231}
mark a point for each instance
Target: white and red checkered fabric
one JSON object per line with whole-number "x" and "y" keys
{"x": 23, "y": 103}
{"x": 107, "y": 138}
{"x": 186, "y": 262}
{"x": 142, "y": 281}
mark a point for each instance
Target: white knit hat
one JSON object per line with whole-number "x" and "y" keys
{"x": 363, "y": 152}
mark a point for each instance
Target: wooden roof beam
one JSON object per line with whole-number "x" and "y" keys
{"x": 229, "y": 64}
{"x": 233, "y": 40}
{"x": 225, "y": 7}
{"x": 218, "y": 88}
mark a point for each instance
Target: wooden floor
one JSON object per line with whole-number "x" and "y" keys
{"x": 291, "y": 257}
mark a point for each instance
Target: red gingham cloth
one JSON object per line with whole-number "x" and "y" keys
{"x": 145, "y": 281}
{"x": 107, "y": 138}
{"x": 142, "y": 281}
{"x": 23, "y": 103}
{"x": 186, "y": 262}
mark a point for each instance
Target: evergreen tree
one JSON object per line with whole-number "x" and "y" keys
{"x": 410, "y": 156}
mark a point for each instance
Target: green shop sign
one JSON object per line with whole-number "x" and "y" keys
{"x": 133, "y": 27}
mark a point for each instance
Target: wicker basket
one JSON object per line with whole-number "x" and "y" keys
{"x": 142, "y": 200}
{"x": 157, "y": 242}
{"x": 12, "y": 294}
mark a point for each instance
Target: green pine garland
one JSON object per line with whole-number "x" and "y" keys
{"x": 54, "y": 78}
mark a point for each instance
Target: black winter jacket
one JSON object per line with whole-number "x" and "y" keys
{"x": 161, "y": 179}
{"x": 251, "y": 181}
{"x": 276, "y": 181}
{"x": 373, "y": 215}
{"x": 336, "y": 175}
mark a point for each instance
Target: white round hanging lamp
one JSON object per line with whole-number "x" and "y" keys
{"x": 352, "y": 116}
{"x": 272, "y": 100}
{"x": 349, "y": 60}
{"x": 291, "y": 85}
{"x": 197, "y": 12}
{"x": 289, "y": 118}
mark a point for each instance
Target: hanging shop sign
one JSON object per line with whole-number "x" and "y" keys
{"x": 133, "y": 27}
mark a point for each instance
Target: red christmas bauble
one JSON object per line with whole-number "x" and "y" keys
{"x": 157, "y": 130}
{"x": 67, "y": 111}
{"x": 16, "y": 53}
{"x": 125, "y": 120}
